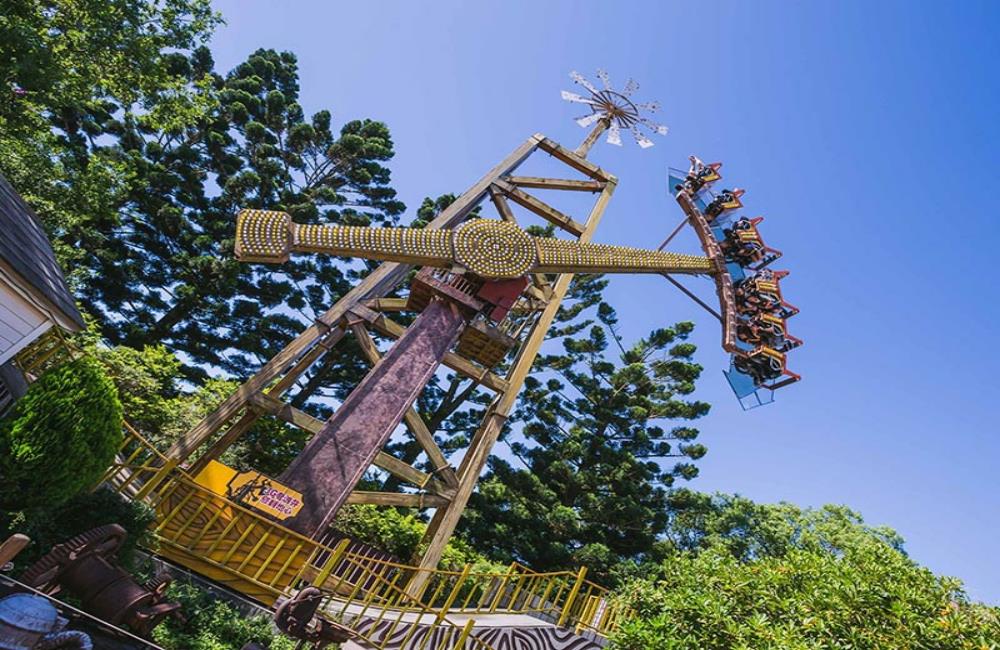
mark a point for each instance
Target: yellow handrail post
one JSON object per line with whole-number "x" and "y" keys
{"x": 466, "y": 632}
{"x": 155, "y": 480}
{"x": 502, "y": 587}
{"x": 450, "y": 600}
{"x": 580, "y": 577}
{"x": 331, "y": 562}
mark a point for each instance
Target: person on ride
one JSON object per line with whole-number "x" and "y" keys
{"x": 697, "y": 167}
{"x": 715, "y": 208}
{"x": 696, "y": 171}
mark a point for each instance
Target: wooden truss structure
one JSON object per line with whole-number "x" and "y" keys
{"x": 365, "y": 309}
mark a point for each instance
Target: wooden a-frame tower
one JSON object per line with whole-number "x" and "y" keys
{"x": 365, "y": 309}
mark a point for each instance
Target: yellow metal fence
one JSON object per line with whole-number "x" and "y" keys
{"x": 245, "y": 551}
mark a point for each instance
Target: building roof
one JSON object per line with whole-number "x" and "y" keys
{"x": 24, "y": 246}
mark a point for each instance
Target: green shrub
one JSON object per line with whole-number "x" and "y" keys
{"x": 398, "y": 533}
{"x": 868, "y": 597}
{"x": 48, "y": 526}
{"x": 213, "y": 624}
{"x": 60, "y": 436}
{"x": 387, "y": 529}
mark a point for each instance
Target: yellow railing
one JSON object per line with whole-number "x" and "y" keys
{"x": 601, "y": 615}
{"x": 245, "y": 551}
{"x": 248, "y": 552}
{"x": 239, "y": 548}
{"x": 138, "y": 468}
{"x": 48, "y": 350}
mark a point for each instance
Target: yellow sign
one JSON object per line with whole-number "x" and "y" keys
{"x": 251, "y": 489}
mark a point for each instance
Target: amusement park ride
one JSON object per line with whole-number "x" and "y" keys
{"x": 484, "y": 295}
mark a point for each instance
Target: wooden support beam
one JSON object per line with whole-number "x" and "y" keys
{"x": 388, "y": 304}
{"x": 378, "y": 283}
{"x": 576, "y": 162}
{"x": 387, "y": 327}
{"x": 286, "y": 412}
{"x": 540, "y": 288}
{"x": 414, "y": 476}
{"x": 444, "y": 521}
{"x": 555, "y": 184}
{"x": 249, "y": 417}
{"x": 542, "y": 209}
{"x": 500, "y": 202}
{"x": 398, "y": 499}
{"x": 415, "y": 423}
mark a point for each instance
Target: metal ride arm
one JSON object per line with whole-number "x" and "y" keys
{"x": 489, "y": 248}
{"x": 753, "y": 312}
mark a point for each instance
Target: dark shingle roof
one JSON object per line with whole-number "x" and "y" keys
{"x": 25, "y": 247}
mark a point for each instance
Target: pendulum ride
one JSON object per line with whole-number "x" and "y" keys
{"x": 484, "y": 296}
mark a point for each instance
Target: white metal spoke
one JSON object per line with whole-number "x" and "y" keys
{"x": 587, "y": 120}
{"x": 615, "y": 135}
{"x": 579, "y": 99}
{"x": 580, "y": 79}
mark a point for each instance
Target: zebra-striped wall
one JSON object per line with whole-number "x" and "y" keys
{"x": 534, "y": 638}
{"x": 538, "y": 637}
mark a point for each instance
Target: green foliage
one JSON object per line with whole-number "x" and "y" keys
{"x": 148, "y": 385}
{"x": 160, "y": 404}
{"x": 743, "y": 575}
{"x": 388, "y": 529}
{"x": 66, "y": 53}
{"x": 213, "y": 624}
{"x": 749, "y": 530}
{"x": 51, "y": 525}
{"x": 592, "y": 489}
{"x": 170, "y": 276}
{"x": 65, "y": 67}
{"x": 136, "y": 153}
{"x": 399, "y": 532}
{"x": 59, "y": 437}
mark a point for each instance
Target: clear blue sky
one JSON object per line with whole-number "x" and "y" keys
{"x": 867, "y": 134}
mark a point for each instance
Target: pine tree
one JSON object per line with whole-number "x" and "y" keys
{"x": 173, "y": 277}
{"x": 587, "y": 474}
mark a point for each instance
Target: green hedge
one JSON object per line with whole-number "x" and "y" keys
{"x": 867, "y": 598}
{"x": 53, "y": 525}
{"x": 60, "y": 436}
{"x": 212, "y": 624}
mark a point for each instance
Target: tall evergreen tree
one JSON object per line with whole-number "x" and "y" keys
{"x": 586, "y": 480}
{"x": 66, "y": 66}
{"x": 138, "y": 179}
{"x": 171, "y": 277}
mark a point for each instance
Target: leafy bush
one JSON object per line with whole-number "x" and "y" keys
{"x": 150, "y": 382}
{"x": 213, "y": 624}
{"x": 774, "y": 576}
{"x": 387, "y": 529}
{"x": 60, "y": 436}
{"x": 398, "y": 533}
{"x": 53, "y": 525}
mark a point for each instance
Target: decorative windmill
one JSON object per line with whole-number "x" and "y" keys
{"x": 613, "y": 111}
{"x": 477, "y": 277}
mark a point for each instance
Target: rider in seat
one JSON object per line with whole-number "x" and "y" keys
{"x": 699, "y": 175}
{"x": 726, "y": 200}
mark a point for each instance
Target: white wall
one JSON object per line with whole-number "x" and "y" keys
{"x": 21, "y": 322}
